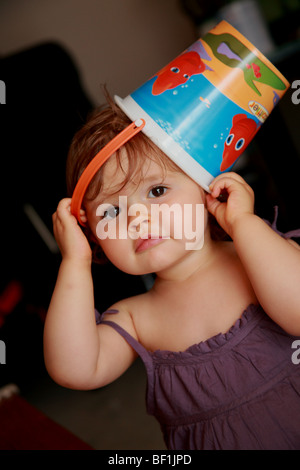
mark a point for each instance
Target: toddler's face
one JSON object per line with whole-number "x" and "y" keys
{"x": 152, "y": 222}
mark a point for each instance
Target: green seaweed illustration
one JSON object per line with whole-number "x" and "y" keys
{"x": 231, "y": 52}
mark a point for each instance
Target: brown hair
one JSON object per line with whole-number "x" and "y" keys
{"x": 102, "y": 126}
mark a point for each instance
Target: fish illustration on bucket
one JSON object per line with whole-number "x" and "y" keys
{"x": 205, "y": 107}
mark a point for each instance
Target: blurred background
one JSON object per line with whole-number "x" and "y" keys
{"x": 54, "y": 57}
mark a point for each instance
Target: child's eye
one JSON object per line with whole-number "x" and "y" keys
{"x": 157, "y": 191}
{"x": 111, "y": 213}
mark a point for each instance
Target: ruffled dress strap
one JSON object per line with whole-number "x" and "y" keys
{"x": 138, "y": 347}
{"x": 273, "y": 225}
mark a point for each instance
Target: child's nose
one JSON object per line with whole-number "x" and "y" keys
{"x": 138, "y": 218}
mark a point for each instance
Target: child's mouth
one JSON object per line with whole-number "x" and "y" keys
{"x": 143, "y": 244}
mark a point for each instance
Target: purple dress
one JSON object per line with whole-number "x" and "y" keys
{"x": 239, "y": 390}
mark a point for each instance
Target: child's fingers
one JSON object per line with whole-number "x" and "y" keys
{"x": 212, "y": 204}
{"x": 63, "y": 213}
{"x": 227, "y": 178}
{"x": 229, "y": 175}
{"x": 64, "y": 204}
{"x": 63, "y": 216}
{"x": 228, "y": 182}
{"x": 221, "y": 184}
{"x": 63, "y": 210}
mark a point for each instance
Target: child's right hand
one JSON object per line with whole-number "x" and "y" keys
{"x": 72, "y": 242}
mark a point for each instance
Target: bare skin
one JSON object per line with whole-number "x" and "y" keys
{"x": 197, "y": 294}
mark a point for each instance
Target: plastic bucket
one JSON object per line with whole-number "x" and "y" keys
{"x": 204, "y": 107}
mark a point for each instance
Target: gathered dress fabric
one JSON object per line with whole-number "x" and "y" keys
{"x": 236, "y": 391}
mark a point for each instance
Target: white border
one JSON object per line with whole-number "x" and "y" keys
{"x": 165, "y": 142}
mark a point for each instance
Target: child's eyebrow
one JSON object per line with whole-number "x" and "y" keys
{"x": 157, "y": 178}
{"x": 103, "y": 197}
{"x": 154, "y": 177}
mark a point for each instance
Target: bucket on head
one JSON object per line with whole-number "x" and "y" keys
{"x": 204, "y": 107}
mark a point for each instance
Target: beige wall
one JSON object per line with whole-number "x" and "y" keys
{"x": 117, "y": 42}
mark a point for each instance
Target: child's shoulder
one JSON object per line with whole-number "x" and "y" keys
{"x": 124, "y": 312}
{"x": 127, "y": 306}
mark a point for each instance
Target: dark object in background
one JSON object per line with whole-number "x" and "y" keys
{"x": 45, "y": 105}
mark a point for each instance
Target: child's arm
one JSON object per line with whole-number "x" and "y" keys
{"x": 79, "y": 354}
{"x": 271, "y": 262}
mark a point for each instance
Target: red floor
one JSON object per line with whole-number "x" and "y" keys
{"x": 23, "y": 427}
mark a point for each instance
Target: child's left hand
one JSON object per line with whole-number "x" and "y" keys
{"x": 240, "y": 200}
